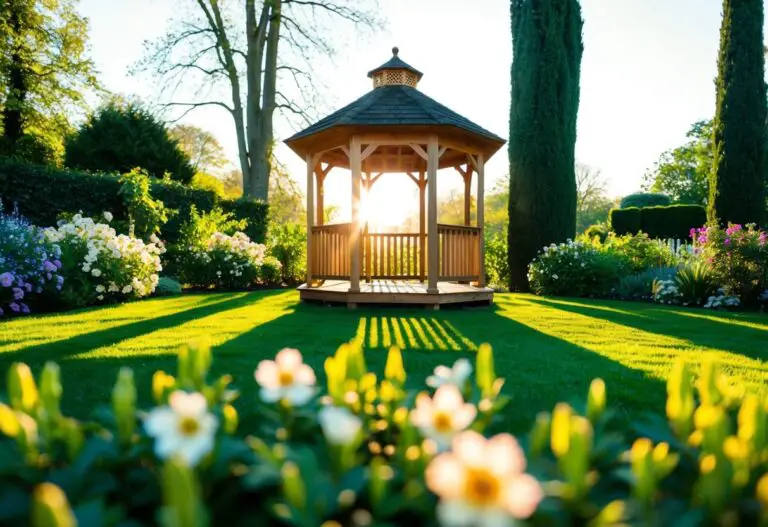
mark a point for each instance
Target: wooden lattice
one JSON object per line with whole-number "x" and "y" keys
{"x": 395, "y": 78}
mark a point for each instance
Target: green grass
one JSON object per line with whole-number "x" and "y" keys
{"x": 547, "y": 349}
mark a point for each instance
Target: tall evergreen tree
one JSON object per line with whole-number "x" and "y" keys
{"x": 737, "y": 186}
{"x": 546, "y": 64}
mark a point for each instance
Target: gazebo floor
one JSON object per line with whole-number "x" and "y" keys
{"x": 396, "y": 292}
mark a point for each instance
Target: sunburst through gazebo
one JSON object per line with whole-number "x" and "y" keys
{"x": 395, "y": 129}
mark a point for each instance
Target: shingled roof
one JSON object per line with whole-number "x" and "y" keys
{"x": 395, "y": 105}
{"x": 395, "y": 63}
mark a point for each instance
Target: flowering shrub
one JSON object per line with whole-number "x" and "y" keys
{"x": 666, "y": 292}
{"x": 365, "y": 450}
{"x": 639, "y": 251}
{"x": 722, "y": 300}
{"x": 100, "y": 265}
{"x": 574, "y": 268}
{"x": 228, "y": 262}
{"x": 738, "y": 256}
{"x": 29, "y": 266}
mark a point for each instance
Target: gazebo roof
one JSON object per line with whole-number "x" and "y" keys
{"x": 395, "y": 106}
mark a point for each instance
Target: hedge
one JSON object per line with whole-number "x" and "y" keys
{"x": 645, "y": 199}
{"x": 42, "y": 193}
{"x": 672, "y": 221}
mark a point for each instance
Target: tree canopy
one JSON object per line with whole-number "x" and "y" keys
{"x": 45, "y": 73}
{"x": 204, "y": 151}
{"x": 121, "y": 136}
{"x": 683, "y": 173}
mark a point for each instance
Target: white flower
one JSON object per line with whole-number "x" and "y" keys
{"x": 457, "y": 375}
{"x": 127, "y": 289}
{"x": 86, "y": 268}
{"x": 100, "y": 288}
{"x": 340, "y": 426}
{"x": 555, "y": 277}
{"x": 100, "y": 297}
{"x": 286, "y": 377}
{"x": 96, "y": 272}
{"x": 184, "y": 427}
{"x": 441, "y": 417}
{"x": 482, "y": 483}
{"x": 108, "y": 215}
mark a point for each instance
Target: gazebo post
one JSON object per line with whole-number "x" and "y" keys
{"x": 320, "y": 197}
{"x": 481, "y": 216}
{"x": 433, "y": 257}
{"x": 422, "y": 224}
{"x": 467, "y": 195}
{"x": 310, "y": 212}
{"x": 355, "y": 165}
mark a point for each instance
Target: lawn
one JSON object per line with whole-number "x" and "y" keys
{"x": 547, "y": 349}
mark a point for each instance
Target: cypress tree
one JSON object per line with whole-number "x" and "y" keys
{"x": 546, "y": 63}
{"x": 737, "y": 184}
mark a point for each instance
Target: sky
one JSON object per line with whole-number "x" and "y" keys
{"x": 647, "y": 73}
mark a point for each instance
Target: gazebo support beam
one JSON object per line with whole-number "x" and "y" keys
{"x": 422, "y": 224}
{"x": 480, "y": 166}
{"x": 311, "y": 161}
{"x": 356, "y": 166}
{"x": 433, "y": 257}
{"x": 468, "y": 196}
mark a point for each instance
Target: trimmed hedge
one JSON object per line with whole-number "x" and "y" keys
{"x": 645, "y": 199}
{"x": 42, "y": 193}
{"x": 672, "y": 221}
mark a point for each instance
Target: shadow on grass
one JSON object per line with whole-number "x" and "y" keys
{"x": 540, "y": 370}
{"x": 720, "y": 334}
{"x": 82, "y": 343}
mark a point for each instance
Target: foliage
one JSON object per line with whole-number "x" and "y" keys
{"x": 739, "y": 259}
{"x": 145, "y": 215}
{"x": 205, "y": 153}
{"x": 208, "y": 182}
{"x": 592, "y": 203}
{"x": 575, "y": 268}
{"x": 287, "y": 242}
{"x": 644, "y": 199}
{"x": 225, "y": 262}
{"x": 545, "y": 87}
{"x": 696, "y": 282}
{"x": 286, "y": 200}
{"x": 167, "y": 287}
{"x": 639, "y": 251}
{"x": 640, "y": 286}
{"x": 45, "y": 74}
{"x": 42, "y": 194}
{"x": 201, "y": 226}
{"x": 683, "y": 173}
{"x": 598, "y": 230}
{"x": 625, "y": 221}
{"x": 100, "y": 266}
{"x": 672, "y": 221}
{"x": 737, "y": 183}
{"x": 120, "y": 136}
{"x": 29, "y": 266}
{"x": 365, "y": 446}
{"x": 496, "y": 254}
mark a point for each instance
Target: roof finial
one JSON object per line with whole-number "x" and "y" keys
{"x": 395, "y": 51}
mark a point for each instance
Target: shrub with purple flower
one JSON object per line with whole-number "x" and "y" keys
{"x": 30, "y": 266}
{"x": 738, "y": 255}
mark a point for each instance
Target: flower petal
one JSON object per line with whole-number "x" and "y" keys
{"x": 188, "y": 403}
{"x": 304, "y": 375}
{"x": 457, "y": 513}
{"x": 270, "y": 395}
{"x": 504, "y": 455}
{"x": 461, "y": 371}
{"x": 522, "y": 496}
{"x": 160, "y": 421}
{"x": 469, "y": 447}
{"x": 195, "y": 448}
{"x": 298, "y": 394}
{"x": 445, "y": 476}
{"x": 267, "y": 374}
{"x": 288, "y": 358}
{"x": 448, "y": 397}
{"x": 464, "y": 416}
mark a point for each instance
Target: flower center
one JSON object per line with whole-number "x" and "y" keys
{"x": 285, "y": 378}
{"x": 442, "y": 422}
{"x": 188, "y": 426}
{"x": 481, "y": 487}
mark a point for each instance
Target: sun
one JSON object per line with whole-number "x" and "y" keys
{"x": 389, "y": 204}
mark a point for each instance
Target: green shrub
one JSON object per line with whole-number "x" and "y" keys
{"x": 640, "y": 286}
{"x": 639, "y": 251}
{"x": 696, "y": 282}
{"x": 42, "y": 194}
{"x": 288, "y": 243}
{"x": 167, "y": 287}
{"x": 673, "y": 221}
{"x": 364, "y": 446}
{"x": 496, "y": 260}
{"x": 598, "y": 230}
{"x": 644, "y": 199}
{"x": 145, "y": 215}
{"x": 575, "y": 269}
{"x": 625, "y": 221}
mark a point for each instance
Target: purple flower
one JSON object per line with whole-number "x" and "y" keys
{"x": 732, "y": 229}
{"x": 24, "y": 308}
{"x": 49, "y": 266}
{"x": 48, "y": 276}
{"x": 1, "y": 311}
{"x": 28, "y": 287}
{"x": 59, "y": 280}
{"x": 18, "y": 293}
{"x": 727, "y": 241}
{"x": 6, "y": 279}
{"x": 14, "y": 307}
{"x": 57, "y": 263}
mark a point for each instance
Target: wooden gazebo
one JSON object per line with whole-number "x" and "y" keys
{"x": 395, "y": 129}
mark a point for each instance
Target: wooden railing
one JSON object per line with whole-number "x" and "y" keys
{"x": 391, "y": 256}
{"x": 395, "y": 256}
{"x": 330, "y": 251}
{"x": 459, "y": 253}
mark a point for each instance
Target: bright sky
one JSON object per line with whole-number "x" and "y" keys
{"x": 647, "y": 73}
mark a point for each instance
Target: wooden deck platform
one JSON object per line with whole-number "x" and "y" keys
{"x": 396, "y": 292}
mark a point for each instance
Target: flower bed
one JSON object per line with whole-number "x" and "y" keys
{"x": 365, "y": 450}
{"x": 30, "y": 267}
{"x": 100, "y": 265}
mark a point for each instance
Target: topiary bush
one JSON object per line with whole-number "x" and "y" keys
{"x": 252, "y": 210}
{"x": 673, "y": 221}
{"x": 625, "y": 221}
{"x": 363, "y": 449}
{"x": 644, "y": 199}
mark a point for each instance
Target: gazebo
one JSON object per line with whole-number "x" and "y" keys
{"x": 395, "y": 128}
